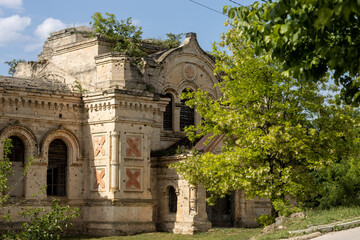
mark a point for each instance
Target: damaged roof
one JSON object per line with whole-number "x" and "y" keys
{"x": 43, "y": 85}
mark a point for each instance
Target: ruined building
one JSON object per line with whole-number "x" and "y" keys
{"x": 90, "y": 120}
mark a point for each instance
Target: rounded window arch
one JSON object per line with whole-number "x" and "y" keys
{"x": 172, "y": 199}
{"x": 57, "y": 168}
{"x": 187, "y": 114}
{"x": 25, "y": 146}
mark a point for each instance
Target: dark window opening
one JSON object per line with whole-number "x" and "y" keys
{"x": 168, "y": 114}
{"x": 172, "y": 200}
{"x": 222, "y": 213}
{"x": 186, "y": 114}
{"x": 56, "y": 171}
{"x": 17, "y": 150}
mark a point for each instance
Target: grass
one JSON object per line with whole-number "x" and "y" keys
{"x": 313, "y": 218}
{"x": 213, "y": 234}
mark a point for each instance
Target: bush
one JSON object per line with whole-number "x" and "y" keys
{"x": 44, "y": 225}
{"x": 285, "y": 208}
{"x": 265, "y": 220}
{"x": 338, "y": 184}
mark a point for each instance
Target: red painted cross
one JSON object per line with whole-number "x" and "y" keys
{"x": 133, "y": 146}
{"x": 99, "y": 146}
{"x": 99, "y": 178}
{"x": 133, "y": 178}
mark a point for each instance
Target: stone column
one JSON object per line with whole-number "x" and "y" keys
{"x": 114, "y": 162}
{"x": 176, "y": 117}
{"x": 191, "y": 214}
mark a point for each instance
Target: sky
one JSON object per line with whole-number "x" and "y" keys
{"x": 26, "y": 24}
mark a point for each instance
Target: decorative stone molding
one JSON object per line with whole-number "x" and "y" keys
{"x": 133, "y": 179}
{"x": 20, "y": 102}
{"x": 28, "y": 138}
{"x": 99, "y": 145}
{"x": 98, "y": 179}
{"x": 189, "y": 71}
{"x": 134, "y": 146}
{"x": 69, "y": 139}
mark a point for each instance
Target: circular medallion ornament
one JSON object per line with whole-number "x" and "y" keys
{"x": 189, "y": 72}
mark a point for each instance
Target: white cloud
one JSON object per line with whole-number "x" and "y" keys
{"x": 43, "y": 31}
{"x": 13, "y": 4}
{"x": 11, "y": 28}
{"x": 48, "y": 26}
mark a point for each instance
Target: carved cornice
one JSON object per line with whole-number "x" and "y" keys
{"x": 45, "y": 104}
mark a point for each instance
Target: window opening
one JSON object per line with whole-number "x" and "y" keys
{"x": 18, "y": 150}
{"x": 172, "y": 200}
{"x": 186, "y": 114}
{"x": 57, "y": 166}
{"x": 168, "y": 114}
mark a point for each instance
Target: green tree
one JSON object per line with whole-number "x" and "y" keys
{"x": 126, "y": 35}
{"x": 12, "y": 65}
{"x": 337, "y": 184}
{"x": 310, "y": 38}
{"x": 172, "y": 40}
{"x": 276, "y": 129}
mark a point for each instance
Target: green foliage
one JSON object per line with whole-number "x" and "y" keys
{"x": 5, "y": 170}
{"x": 172, "y": 40}
{"x": 276, "y": 129}
{"x": 46, "y": 225}
{"x": 338, "y": 184}
{"x": 126, "y": 35}
{"x": 265, "y": 220}
{"x": 284, "y": 207}
{"x": 310, "y": 38}
{"x": 77, "y": 87}
{"x": 12, "y": 65}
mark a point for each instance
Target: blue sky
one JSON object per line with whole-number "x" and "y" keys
{"x": 25, "y": 24}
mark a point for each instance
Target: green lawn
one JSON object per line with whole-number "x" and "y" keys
{"x": 215, "y": 233}
{"x": 313, "y": 217}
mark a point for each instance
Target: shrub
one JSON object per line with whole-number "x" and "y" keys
{"x": 338, "y": 184}
{"x": 265, "y": 220}
{"x": 285, "y": 208}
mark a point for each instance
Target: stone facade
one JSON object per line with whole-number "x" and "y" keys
{"x": 107, "y": 132}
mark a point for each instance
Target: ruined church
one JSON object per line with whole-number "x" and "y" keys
{"x": 91, "y": 122}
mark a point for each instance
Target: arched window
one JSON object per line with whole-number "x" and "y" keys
{"x": 172, "y": 200}
{"x": 17, "y": 150}
{"x": 168, "y": 114}
{"x": 57, "y": 166}
{"x": 186, "y": 114}
{"x": 17, "y": 158}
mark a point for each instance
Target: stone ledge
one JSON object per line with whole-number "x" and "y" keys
{"x": 315, "y": 231}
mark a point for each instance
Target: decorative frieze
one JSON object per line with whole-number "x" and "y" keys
{"x": 20, "y": 102}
